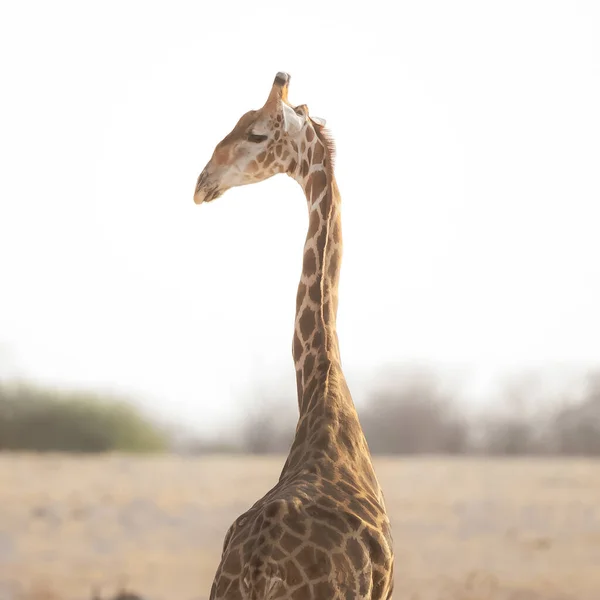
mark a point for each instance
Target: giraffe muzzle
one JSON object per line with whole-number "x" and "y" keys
{"x": 203, "y": 196}
{"x": 205, "y": 190}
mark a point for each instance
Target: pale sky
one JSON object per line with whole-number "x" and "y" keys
{"x": 468, "y": 138}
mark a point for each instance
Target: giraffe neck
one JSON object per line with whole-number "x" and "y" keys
{"x": 328, "y": 437}
{"x": 315, "y": 346}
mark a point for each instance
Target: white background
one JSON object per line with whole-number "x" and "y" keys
{"x": 468, "y": 139}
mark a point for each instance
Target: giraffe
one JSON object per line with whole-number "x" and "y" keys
{"x": 322, "y": 532}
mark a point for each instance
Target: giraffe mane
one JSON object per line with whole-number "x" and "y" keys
{"x": 327, "y": 139}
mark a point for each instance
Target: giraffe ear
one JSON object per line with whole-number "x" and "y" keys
{"x": 319, "y": 121}
{"x": 292, "y": 122}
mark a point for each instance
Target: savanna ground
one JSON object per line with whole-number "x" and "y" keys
{"x": 464, "y": 529}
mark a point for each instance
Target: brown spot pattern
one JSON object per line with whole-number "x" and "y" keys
{"x": 319, "y": 153}
{"x": 309, "y": 266}
{"x": 314, "y": 293}
{"x": 307, "y": 323}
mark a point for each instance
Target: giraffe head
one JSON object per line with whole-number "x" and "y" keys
{"x": 263, "y": 143}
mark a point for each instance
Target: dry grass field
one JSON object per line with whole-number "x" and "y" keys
{"x": 464, "y": 529}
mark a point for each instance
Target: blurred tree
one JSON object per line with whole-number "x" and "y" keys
{"x": 48, "y": 420}
{"x": 575, "y": 429}
{"x": 410, "y": 413}
{"x": 516, "y": 424}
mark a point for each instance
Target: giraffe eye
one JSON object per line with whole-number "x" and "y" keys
{"x": 257, "y": 139}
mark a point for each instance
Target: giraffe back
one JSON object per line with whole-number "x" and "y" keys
{"x": 308, "y": 538}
